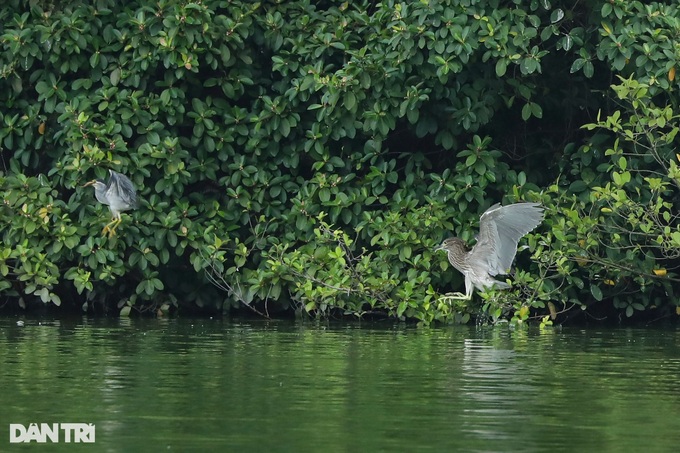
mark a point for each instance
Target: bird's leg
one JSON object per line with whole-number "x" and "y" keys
{"x": 469, "y": 287}
{"x": 110, "y": 228}
{"x": 449, "y": 297}
{"x": 107, "y": 228}
{"x": 459, "y": 296}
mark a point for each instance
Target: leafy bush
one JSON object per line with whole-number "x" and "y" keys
{"x": 309, "y": 155}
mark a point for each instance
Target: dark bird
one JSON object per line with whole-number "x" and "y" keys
{"x": 500, "y": 229}
{"x": 119, "y": 194}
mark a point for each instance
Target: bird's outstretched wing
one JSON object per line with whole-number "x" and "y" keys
{"x": 123, "y": 187}
{"x": 500, "y": 229}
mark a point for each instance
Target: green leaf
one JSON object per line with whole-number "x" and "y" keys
{"x": 165, "y": 97}
{"x": 42, "y": 87}
{"x": 557, "y": 15}
{"x": 521, "y": 178}
{"x": 501, "y": 67}
{"x": 567, "y": 42}
{"x": 324, "y": 195}
{"x": 596, "y": 292}
{"x": 588, "y": 69}
{"x": 350, "y": 100}
{"x": 153, "y": 138}
{"x": 115, "y": 76}
{"x": 577, "y": 65}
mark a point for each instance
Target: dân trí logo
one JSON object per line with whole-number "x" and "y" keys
{"x": 51, "y": 432}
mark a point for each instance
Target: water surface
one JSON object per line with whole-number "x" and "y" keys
{"x": 217, "y": 385}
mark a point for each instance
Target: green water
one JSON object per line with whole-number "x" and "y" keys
{"x": 213, "y": 385}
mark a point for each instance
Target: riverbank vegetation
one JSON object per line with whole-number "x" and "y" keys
{"x": 306, "y": 157}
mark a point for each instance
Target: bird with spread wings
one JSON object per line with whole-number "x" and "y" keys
{"x": 500, "y": 229}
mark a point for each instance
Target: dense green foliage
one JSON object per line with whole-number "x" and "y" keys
{"x": 309, "y": 155}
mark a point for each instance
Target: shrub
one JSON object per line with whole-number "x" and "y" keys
{"x": 309, "y": 155}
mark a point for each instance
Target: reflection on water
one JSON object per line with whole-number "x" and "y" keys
{"x": 213, "y": 385}
{"x": 492, "y": 392}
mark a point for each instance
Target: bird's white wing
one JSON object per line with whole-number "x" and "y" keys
{"x": 500, "y": 229}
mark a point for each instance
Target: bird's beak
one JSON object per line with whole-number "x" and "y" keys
{"x": 438, "y": 248}
{"x": 90, "y": 183}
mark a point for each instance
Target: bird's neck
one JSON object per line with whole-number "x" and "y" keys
{"x": 459, "y": 248}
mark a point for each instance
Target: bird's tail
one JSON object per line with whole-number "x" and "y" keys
{"x": 500, "y": 285}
